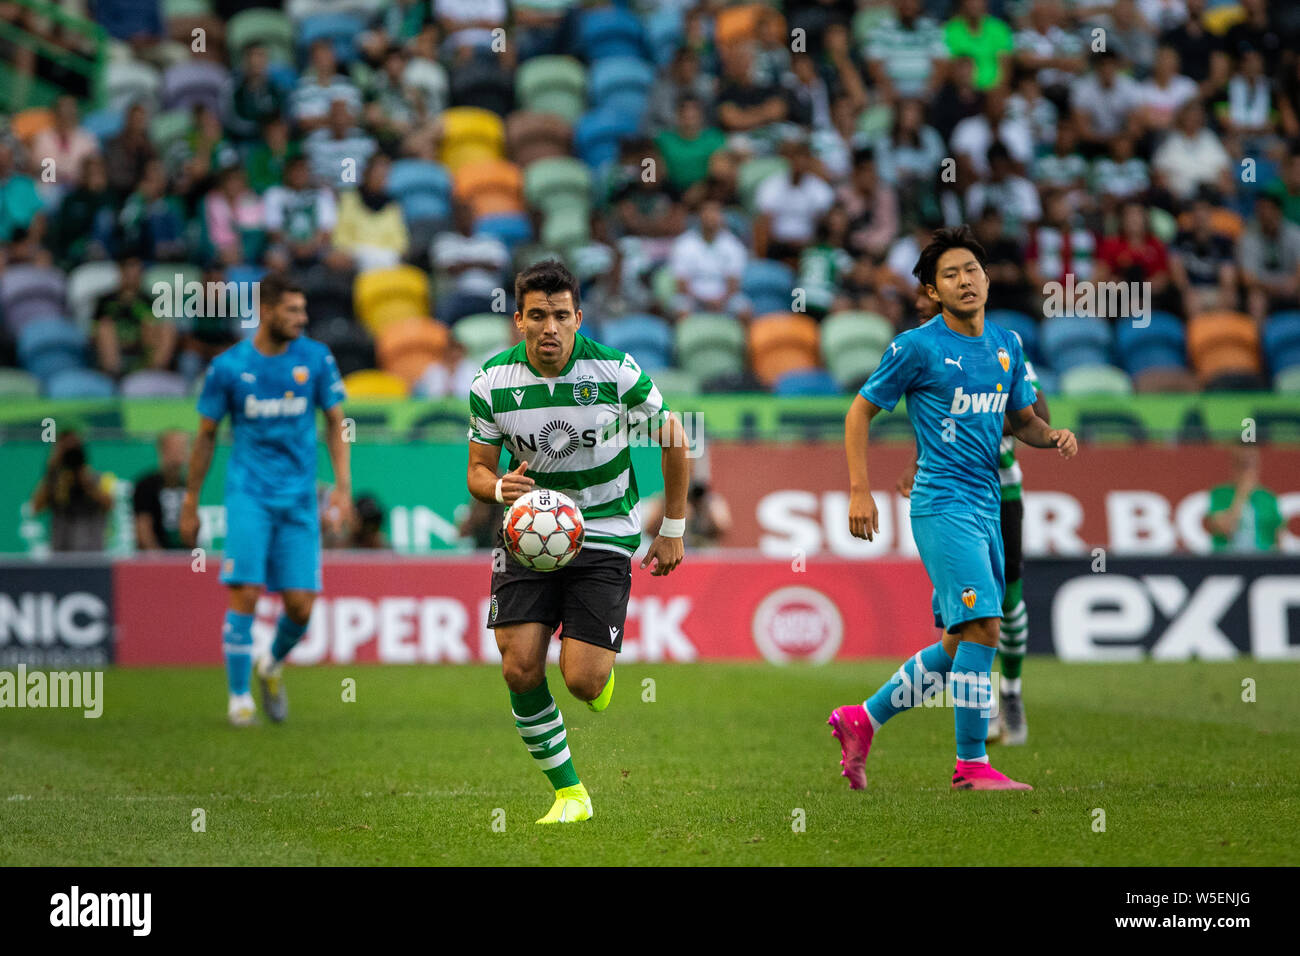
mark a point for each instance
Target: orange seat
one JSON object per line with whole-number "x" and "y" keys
{"x": 1225, "y": 222}
{"x": 740, "y": 23}
{"x": 31, "y": 122}
{"x": 1223, "y": 342}
{"x": 781, "y": 342}
{"x": 407, "y": 347}
{"x": 495, "y": 186}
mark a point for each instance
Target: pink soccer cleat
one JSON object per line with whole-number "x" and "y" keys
{"x": 851, "y": 726}
{"x": 970, "y": 775}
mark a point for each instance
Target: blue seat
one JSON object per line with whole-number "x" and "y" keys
{"x": 648, "y": 338}
{"x": 1281, "y": 340}
{"x": 1023, "y": 325}
{"x": 418, "y": 176}
{"x": 664, "y": 32}
{"x": 619, "y": 75}
{"x": 1161, "y": 344}
{"x": 598, "y": 134}
{"x": 768, "y": 284}
{"x": 806, "y": 382}
{"x": 104, "y": 124}
{"x": 79, "y": 383}
{"x": 341, "y": 29}
{"x": 47, "y": 346}
{"x": 610, "y": 31}
{"x": 513, "y": 229}
{"x": 1062, "y": 335}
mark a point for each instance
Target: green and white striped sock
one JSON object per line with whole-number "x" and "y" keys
{"x": 541, "y": 725}
{"x": 1015, "y": 632}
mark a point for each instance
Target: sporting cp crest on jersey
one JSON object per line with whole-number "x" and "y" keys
{"x": 1004, "y": 359}
{"x": 585, "y": 391}
{"x": 968, "y": 597}
{"x": 300, "y": 373}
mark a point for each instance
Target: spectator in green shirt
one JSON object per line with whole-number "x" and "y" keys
{"x": 985, "y": 39}
{"x": 686, "y": 149}
{"x": 269, "y": 158}
{"x": 1243, "y": 517}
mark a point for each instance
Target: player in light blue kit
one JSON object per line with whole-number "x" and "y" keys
{"x": 270, "y": 386}
{"x": 960, "y": 377}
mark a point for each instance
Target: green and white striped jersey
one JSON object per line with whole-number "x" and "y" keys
{"x": 572, "y": 430}
{"x": 1009, "y": 473}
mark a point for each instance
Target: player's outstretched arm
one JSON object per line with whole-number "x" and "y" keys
{"x": 1032, "y": 430}
{"x": 205, "y": 443}
{"x": 667, "y": 551}
{"x": 864, "y": 521}
{"x": 340, "y": 452}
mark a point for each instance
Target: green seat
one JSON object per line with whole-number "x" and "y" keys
{"x": 1163, "y": 225}
{"x": 174, "y": 9}
{"x": 556, "y": 182}
{"x": 552, "y": 84}
{"x": 483, "y": 334}
{"x": 711, "y": 363}
{"x": 169, "y": 128}
{"x": 15, "y": 383}
{"x": 566, "y": 227}
{"x": 851, "y": 368}
{"x": 664, "y": 284}
{"x": 706, "y": 330}
{"x": 1096, "y": 380}
{"x": 1287, "y": 381}
{"x": 751, "y": 175}
{"x": 269, "y": 27}
{"x": 853, "y": 331}
{"x": 674, "y": 382}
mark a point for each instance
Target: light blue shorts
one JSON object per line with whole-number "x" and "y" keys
{"x": 274, "y": 544}
{"x": 962, "y": 553}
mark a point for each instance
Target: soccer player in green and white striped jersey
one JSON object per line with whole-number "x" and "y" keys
{"x": 1011, "y": 727}
{"x": 567, "y": 408}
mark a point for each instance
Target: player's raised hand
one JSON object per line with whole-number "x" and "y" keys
{"x": 189, "y": 526}
{"x": 1065, "y": 441}
{"x": 516, "y": 483}
{"x": 864, "y": 521}
{"x": 667, "y": 553}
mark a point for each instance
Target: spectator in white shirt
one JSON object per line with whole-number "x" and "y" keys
{"x": 708, "y": 262}
{"x": 339, "y": 151}
{"x": 1105, "y": 103}
{"x": 319, "y": 88}
{"x": 64, "y": 147}
{"x": 974, "y": 135}
{"x": 1165, "y": 92}
{"x": 1192, "y": 156}
{"x": 790, "y": 204}
{"x": 1015, "y": 195}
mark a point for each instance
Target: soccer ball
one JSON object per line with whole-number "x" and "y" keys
{"x": 543, "y": 529}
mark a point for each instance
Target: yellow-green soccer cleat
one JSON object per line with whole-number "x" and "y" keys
{"x": 571, "y": 805}
{"x": 606, "y": 695}
{"x": 275, "y": 700}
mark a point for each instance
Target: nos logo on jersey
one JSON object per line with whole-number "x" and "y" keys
{"x": 585, "y": 391}
{"x": 300, "y": 374}
{"x": 1004, "y": 359}
{"x": 968, "y": 597}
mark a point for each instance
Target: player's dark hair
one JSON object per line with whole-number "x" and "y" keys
{"x": 941, "y": 240}
{"x": 549, "y": 277}
{"x": 274, "y": 288}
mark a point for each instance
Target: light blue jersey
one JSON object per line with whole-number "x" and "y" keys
{"x": 958, "y": 388}
{"x": 272, "y": 402}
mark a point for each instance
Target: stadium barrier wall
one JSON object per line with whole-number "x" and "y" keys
{"x": 386, "y": 609}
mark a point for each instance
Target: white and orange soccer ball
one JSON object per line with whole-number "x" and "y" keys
{"x": 543, "y": 529}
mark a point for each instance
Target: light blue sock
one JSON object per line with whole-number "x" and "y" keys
{"x": 287, "y": 635}
{"x": 972, "y": 694}
{"x": 921, "y": 675}
{"x": 237, "y": 644}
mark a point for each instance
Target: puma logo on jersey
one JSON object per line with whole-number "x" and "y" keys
{"x": 518, "y": 393}
{"x": 894, "y": 346}
{"x": 957, "y": 363}
{"x": 995, "y": 402}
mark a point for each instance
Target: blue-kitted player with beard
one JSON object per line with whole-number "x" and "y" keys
{"x": 271, "y": 387}
{"x": 960, "y": 376}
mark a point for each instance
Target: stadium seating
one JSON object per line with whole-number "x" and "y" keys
{"x": 806, "y": 382}
{"x": 353, "y": 348}
{"x": 709, "y": 346}
{"x": 483, "y": 335}
{"x": 552, "y": 184}
{"x": 28, "y": 293}
{"x": 48, "y": 346}
{"x": 752, "y": 174}
{"x": 409, "y": 346}
{"x": 665, "y": 29}
{"x": 598, "y": 134}
{"x": 768, "y": 284}
{"x": 609, "y": 32}
{"x": 341, "y": 29}
{"x": 1095, "y": 380}
{"x": 647, "y": 338}
{"x": 1282, "y": 340}
{"x": 489, "y": 187}
{"x": 372, "y": 383}
{"x": 15, "y": 383}
{"x": 534, "y": 136}
{"x": 513, "y": 229}
{"x": 131, "y": 81}
{"x": 422, "y": 188}
{"x": 153, "y": 384}
{"x": 852, "y": 344}
{"x": 1072, "y": 341}
{"x": 28, "y": 124}
{"x": 199, "y": 82}
{"x": 675, "y": 382}
{"x": 79, "y": 383}
{"x": 552, "y": 84}
{"x": 387, "y": 295}
{"x": 87, "y": 283}
{"x": 471, "y": 135}
{"x": 169, "y": 128}
{"x": 739, "y": 22}
{"x": 1023, "y": 326}
{"x": 780, "y": 343}
{"x": 620, "y": 84}
{"x": 1223, "y": 348}
{"x": 1287, "y": 382}
{"x": 103, "y": 124}
{"x": 271, "y": 28}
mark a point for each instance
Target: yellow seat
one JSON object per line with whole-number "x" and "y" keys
{"x": 372, "y": 383}
{"x": 471, "y": 135}
{"x": 382, "y": 296}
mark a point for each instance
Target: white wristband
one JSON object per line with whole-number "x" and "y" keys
{"x": 672, "y": 527}
{"x": 498, "y": 491}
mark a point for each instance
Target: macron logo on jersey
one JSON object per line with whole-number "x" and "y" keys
{"x": 274, "y": 407}
{"x": 995, "y": 402}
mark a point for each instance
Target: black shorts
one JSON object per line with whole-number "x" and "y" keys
{"x": 588, "y": 596}
{"x": 1013, "y": 516}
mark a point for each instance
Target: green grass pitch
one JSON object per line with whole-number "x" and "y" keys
{"x": 718, "y": 769}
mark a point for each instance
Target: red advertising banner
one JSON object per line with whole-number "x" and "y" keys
{"x": 428, "y": 610}
{"x": 787, "y": 500}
